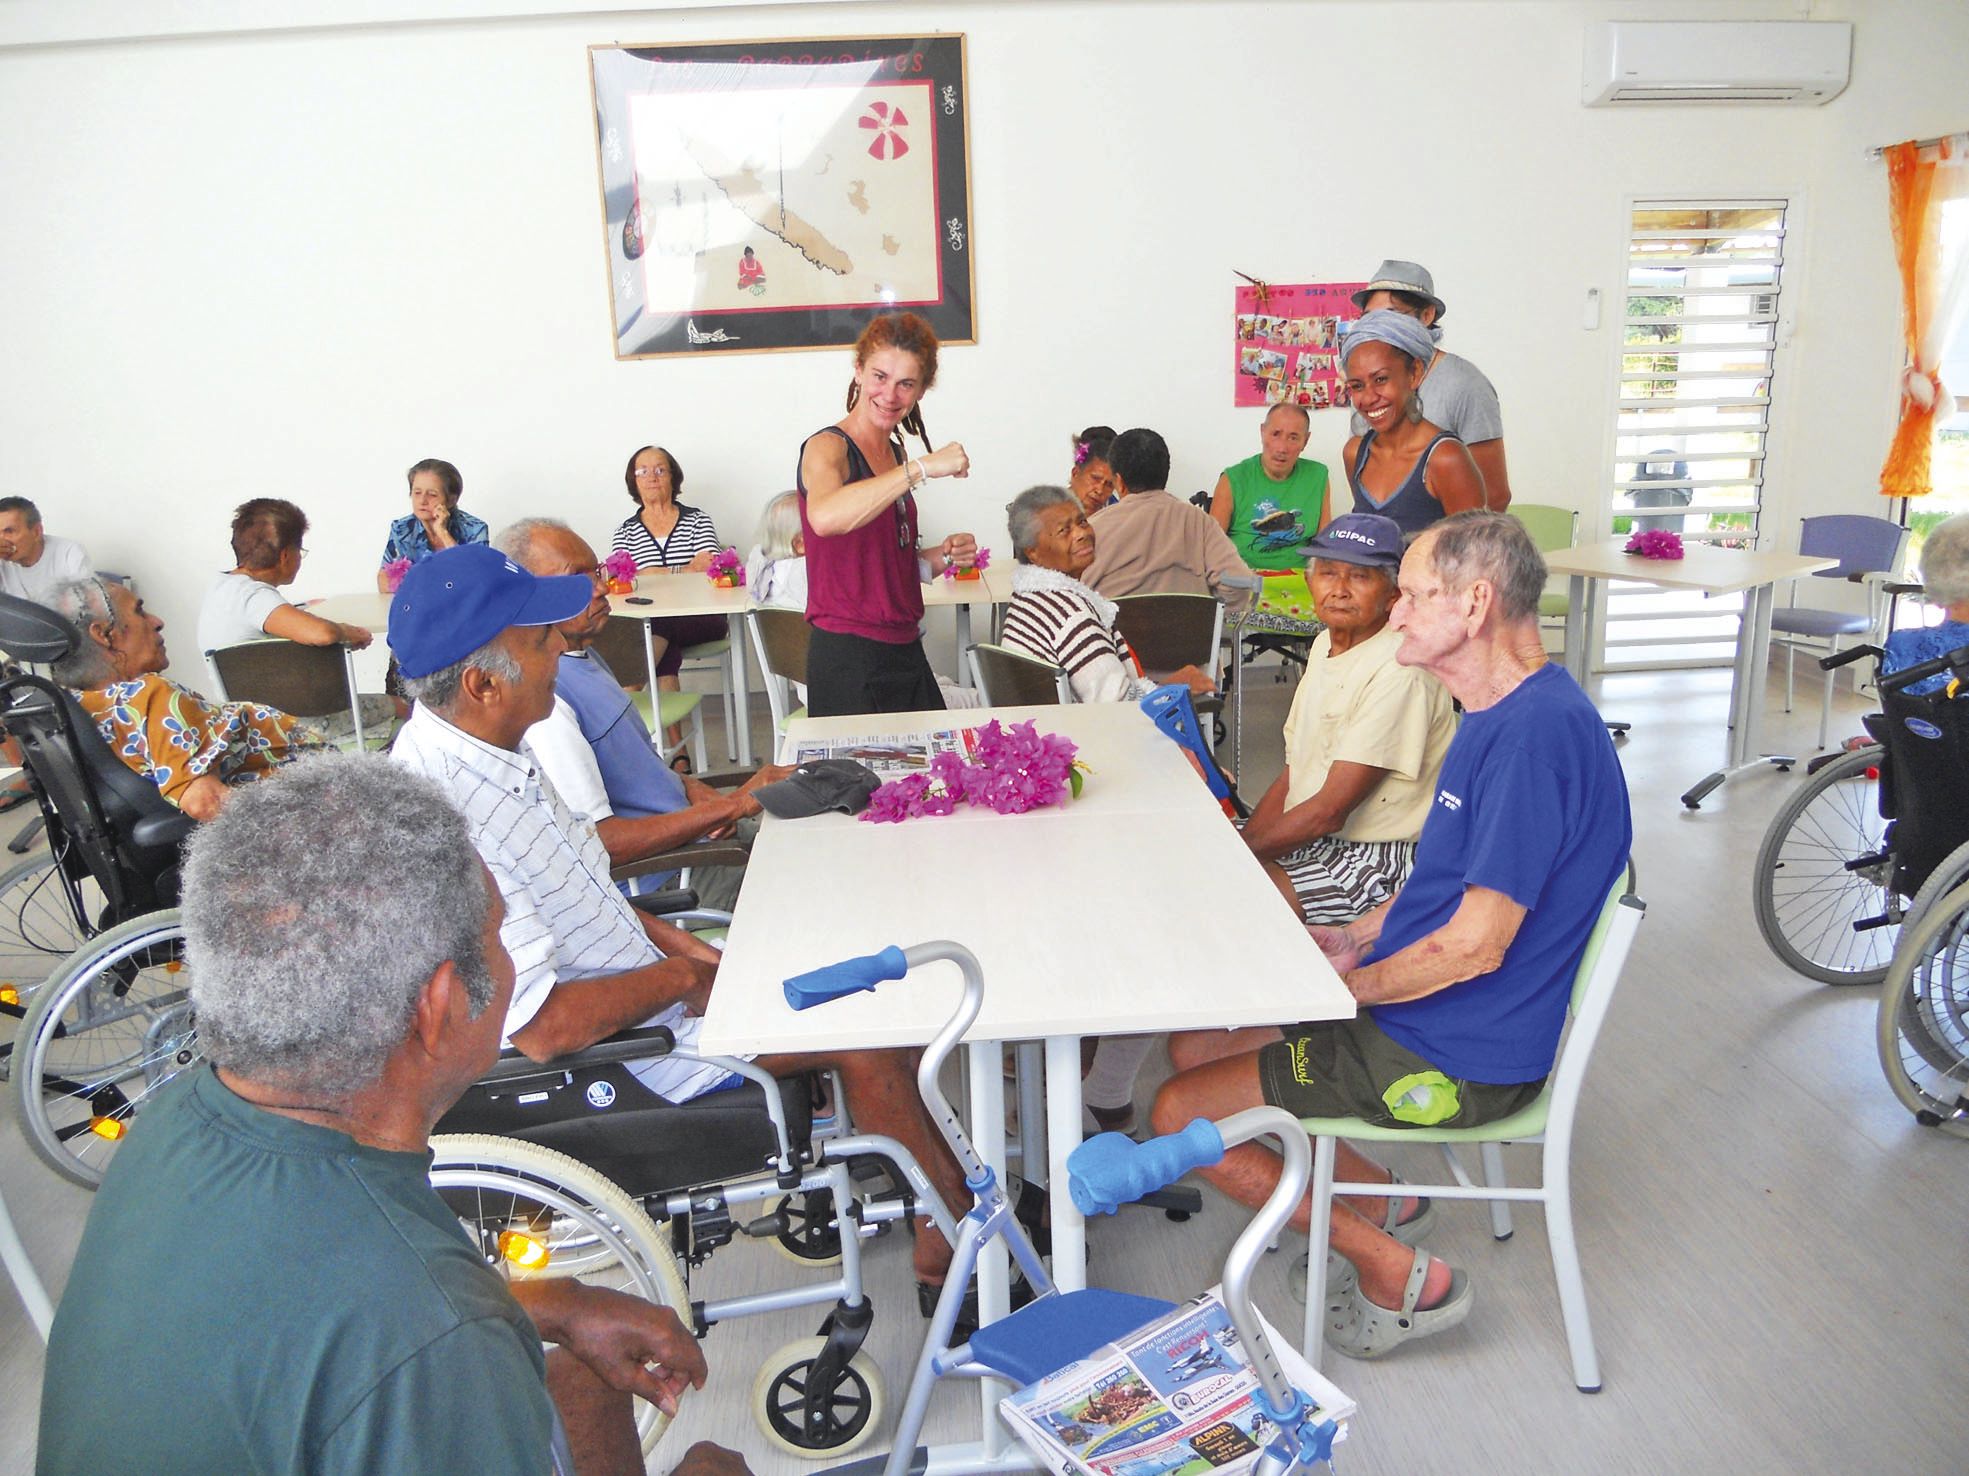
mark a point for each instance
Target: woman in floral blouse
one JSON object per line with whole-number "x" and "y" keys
{"x": 193, "y": 750}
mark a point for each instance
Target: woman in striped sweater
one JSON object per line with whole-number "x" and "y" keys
{"x": 1056, "y": 618}
{"x": 664, "y": 534}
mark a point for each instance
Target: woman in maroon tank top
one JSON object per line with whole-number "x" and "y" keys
{"x": 865, "y": 571}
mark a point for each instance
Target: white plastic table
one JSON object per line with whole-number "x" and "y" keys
{"x": 1134, "y": 909}
{"x": 1711, "y": 571}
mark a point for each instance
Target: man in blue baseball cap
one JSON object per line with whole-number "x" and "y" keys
{"x": 1363, "y": 740}
{"x": 476, "y": 643}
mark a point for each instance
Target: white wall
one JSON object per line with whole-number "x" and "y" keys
{"x": 293, "y": 264}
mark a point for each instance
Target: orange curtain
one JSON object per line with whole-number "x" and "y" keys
{"x": 1917, "y": 188}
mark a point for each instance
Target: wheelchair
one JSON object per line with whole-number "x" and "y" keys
{"x": 97, "y": 970}
{"x": 1856, "y": 857}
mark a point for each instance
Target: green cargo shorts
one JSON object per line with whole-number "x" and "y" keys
{"x": 1348, "y": 1068}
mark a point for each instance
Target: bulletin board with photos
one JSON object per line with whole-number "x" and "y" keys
{"x": 1287, "y": 342}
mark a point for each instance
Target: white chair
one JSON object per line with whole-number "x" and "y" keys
{"x": 1009, "y": 678}
{"x": 719, "y": 656}
{"x": 1548, "y": 1121}
{"x": 780, "y": 638}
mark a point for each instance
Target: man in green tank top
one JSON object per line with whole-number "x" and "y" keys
{"x": 1273, "y": 503}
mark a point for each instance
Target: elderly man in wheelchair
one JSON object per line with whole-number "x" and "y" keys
{"x": 271, "y": 1242}
{"x": 1465, "y": 972}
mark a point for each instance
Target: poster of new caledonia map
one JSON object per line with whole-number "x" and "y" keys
{"x": 775, "y": 194}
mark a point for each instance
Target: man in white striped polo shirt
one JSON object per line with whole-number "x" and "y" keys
{"x": 475, "y": 640}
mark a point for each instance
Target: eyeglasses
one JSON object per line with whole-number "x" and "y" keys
{"x": 652, "y": 471}
{"x": 598, "y": 576}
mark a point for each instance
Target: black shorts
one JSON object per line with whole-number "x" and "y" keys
{"x": 1348, "y": 1068}
{"x": 849, "y": 674}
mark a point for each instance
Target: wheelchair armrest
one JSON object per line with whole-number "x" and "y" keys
{"x": 162, "y": 830}
{"x": 642, "y": 1044}
{"x": 703, "y": 853}
{"x": 663, "y": 904}
{"x": 726, "y": 778}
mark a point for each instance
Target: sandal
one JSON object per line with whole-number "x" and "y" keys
{"x": 1364, "y": 1329}
{"x": 1342, "y": 1276}
{"x": 1413, "y": 1230}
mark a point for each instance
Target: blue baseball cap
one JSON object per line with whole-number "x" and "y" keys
{"x": 456, "y": 600}
{"x": 1359, "y": 538}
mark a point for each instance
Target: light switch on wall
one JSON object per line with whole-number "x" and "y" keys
{"x": 1589, "y": 318}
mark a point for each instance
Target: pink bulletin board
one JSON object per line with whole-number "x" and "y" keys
{"x": 1286, "y": 343}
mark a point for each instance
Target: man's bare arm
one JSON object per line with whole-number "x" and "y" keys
{"x": 627, "y": 838}
{"x": 1489, "y": 456}
{"x": 1271, "y": 834}
{"x": 1471, "y": 943}
{"x": 579, "y": 1012}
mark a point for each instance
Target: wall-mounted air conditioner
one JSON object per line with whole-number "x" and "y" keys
{"x": 1716, "y": 61}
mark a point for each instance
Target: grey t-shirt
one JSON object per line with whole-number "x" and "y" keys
{"x": 1457, "y": 397}
{"x": 236, "y": 609}
{"x": 62, "y": 559}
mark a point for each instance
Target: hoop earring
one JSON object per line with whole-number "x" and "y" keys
{"x": 1413, "y": 409}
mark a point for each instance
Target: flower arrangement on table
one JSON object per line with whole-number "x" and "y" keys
{"x": 726, "y": 569}
{"x": 983, "y": 562}
{"x": 393, "y": 573}
{"x": 1656, "y": 543}
{"x": 1017, "y": 769}
{"x": 619, "y": 568}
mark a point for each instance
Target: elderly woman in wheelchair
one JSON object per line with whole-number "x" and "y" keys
{"x": 191, "y": 749}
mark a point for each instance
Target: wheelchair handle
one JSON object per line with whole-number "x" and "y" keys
{"x": 1956, "y": 661}
{"x": 1111, "y": 1169}
{"x": 1845, "y": 657}
{"x": 850, "y": 976}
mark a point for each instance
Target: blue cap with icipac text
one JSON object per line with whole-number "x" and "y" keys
{"x": 456, "y": 600}
{"x": 1359, "y": 538}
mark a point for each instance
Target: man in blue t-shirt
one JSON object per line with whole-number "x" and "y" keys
{"x": 1464, "y": 974}
{"x": 597, "y": 751}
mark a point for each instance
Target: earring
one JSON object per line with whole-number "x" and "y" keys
{"x": 1413, "y": 409}
{"x": 854, "y": 392}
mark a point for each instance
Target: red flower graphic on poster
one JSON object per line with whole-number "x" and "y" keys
{"x": 887, "y": 124}
{"x": 1286, "y": 343}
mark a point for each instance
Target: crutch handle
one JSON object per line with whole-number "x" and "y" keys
{"x": 1112, "y": 1169}
{"x": 851, "y": 975}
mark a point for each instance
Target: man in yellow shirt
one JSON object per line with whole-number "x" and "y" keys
{"x": 1363, "y": 741}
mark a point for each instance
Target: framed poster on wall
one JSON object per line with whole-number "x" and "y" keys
{"x": 774, "y": 194}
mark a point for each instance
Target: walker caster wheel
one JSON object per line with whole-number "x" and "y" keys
{"x": 851, "y": 1411}
{"x": 1178, "y": 1216}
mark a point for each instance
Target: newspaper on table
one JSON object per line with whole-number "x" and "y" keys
{"x": 892, "y": 755}
{"x": 1176, "y": 1398}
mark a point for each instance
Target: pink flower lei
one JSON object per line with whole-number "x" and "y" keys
{"x": 726, "y": 567}
{"x": 1018, "y": 769}
{"x": 393, "y": 573}
{"x": 1657, "y": 543}
{"x": 951, "y": 571}
{"x": 620, "y": 566}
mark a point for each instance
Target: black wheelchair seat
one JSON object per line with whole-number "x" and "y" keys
{"x": 1924, "y": 785}
{"x": 601, "y": 1115}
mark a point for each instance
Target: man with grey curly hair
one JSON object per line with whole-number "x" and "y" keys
{"x": 1465, "y": 973}
{"x": 286, "y": 1289}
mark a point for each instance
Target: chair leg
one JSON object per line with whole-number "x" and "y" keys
{"x": 1790, "y": 655}
{"x": 1825, "y": 703}
{"x": 1317, "y": 1234}
{"x": 700, "y": 753}
{"x": 1500, "y": 1209}
{"x": 730, "y": 665}
{"x": 1566, "y": 1271}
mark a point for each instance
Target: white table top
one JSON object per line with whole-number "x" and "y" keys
{"x": 1703, "y": 567}
{"x": 678, "y": 593}
{"x": 1132, "y": 911}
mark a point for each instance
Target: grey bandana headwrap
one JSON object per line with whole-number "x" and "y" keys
{"x": 1385, "y": 325}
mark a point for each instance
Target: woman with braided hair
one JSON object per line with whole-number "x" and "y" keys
{"x": 1403, "y": 466}
{"x": 865, "y": 571}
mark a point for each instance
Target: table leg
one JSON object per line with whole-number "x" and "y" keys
{"x": 1746, "y": 698}
{"x": 355, "y": 698}
{"x": 1062, "y": 1137}
{"x": 1032, "y": 1112}
{"x": 963, "y": 645}
{"x": 1762, "y": 599}
{"x": 1578, "y": 628}
{"x": 987, "y": 1093}
{"x": 742, "y": 695}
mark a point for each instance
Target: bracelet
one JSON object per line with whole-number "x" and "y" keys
{"x": 913, "y": 474}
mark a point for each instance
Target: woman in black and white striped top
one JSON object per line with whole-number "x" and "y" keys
{"x": 665, "y": 534}
{"x": 1056, "y": 618}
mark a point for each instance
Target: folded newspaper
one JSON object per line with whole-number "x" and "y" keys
{"x": 1174, "y": 1399}
{"x": 892, "y": 755}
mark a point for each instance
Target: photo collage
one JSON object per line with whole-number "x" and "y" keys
{"x": 1287, "y": 341}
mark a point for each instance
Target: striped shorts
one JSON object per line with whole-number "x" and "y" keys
{"x": 1337, "y": 880}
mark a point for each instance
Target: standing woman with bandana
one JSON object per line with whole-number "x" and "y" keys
{"x": 865, "y": 573}
{"x": 1402, "y": 467}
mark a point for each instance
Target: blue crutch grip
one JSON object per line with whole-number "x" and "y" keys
{"x": 1171, "y": 708}
{"x": 1112, "y": 1169}
{"x": 850, "y": 976}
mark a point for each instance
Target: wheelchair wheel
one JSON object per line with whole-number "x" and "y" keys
{"x": 1923, "y": 1031}
{"x": 38, "y": 932}
{"x": 779, "y": 1396}
{"x": 811, "y": 1237}
{"x": 1807, "y": 895}
{"x": 107, "y": 1030}
{"x": 537, "y": 1213}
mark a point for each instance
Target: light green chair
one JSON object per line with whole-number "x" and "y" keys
{"x": 1551, "y": 528}
{"x": 625, "y": 645}
{"x": 1548, "y": 1122}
